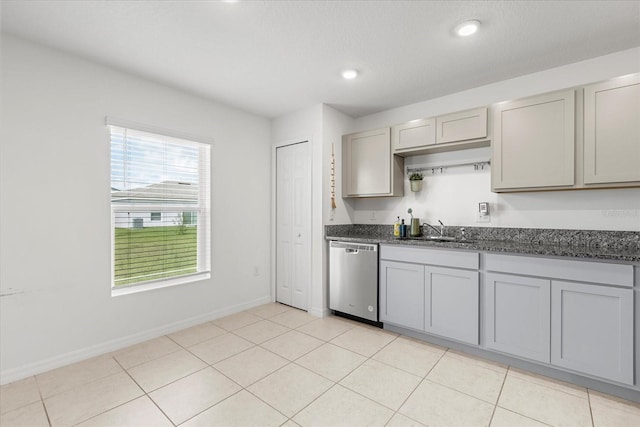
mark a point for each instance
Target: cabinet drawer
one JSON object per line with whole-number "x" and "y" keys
{"x": 440, "y": 257}
{"x": 583, "y": 271}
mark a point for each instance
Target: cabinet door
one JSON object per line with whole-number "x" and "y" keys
{"x": 612, "y": 131}
{"x": 462, "y": 126}
{"x": 402, "y": 294}
{"x": 368, "y": 167}
{"x": 414, "y": 134}
{"x": 451, "y": 303}
{"x": 518, "y": 315}
{"x": 592, "y": 329}
{"x": 533, "y": 144}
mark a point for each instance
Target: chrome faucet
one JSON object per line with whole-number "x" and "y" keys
{"x": 441, "y": 231}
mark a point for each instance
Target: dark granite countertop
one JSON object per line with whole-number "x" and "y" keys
{"x": 587, "y": 244}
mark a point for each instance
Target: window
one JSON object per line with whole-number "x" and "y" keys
{"x": 159, "y": 208}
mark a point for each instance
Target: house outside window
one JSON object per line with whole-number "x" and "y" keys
{"x": 159, "y": 208}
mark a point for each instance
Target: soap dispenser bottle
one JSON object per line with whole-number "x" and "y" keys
{"x": 403, "y": 229}
{"x": 396, "y": 228}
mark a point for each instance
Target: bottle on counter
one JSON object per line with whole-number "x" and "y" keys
{"x": 396, "y": 228}
{"x": 403, "y": 229}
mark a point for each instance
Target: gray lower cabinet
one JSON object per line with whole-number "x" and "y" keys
{"x": 438, "y": 300}
{"x": 451, "y": 303}
{"x": 517, "y": 315}
{"x": 592, "y": 329}
{"x": 402, "y": 294}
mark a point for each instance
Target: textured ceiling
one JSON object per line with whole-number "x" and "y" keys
{"x": 275, "y": 57}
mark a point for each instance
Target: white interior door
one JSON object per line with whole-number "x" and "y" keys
{"x": 293, "y": 224}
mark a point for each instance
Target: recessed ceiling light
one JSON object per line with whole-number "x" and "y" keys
{"x": 349, "y": 74}
{"x": 467, "y": 28}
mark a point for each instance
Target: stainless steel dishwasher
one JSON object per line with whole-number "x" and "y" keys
{"x": 353, "y": 279}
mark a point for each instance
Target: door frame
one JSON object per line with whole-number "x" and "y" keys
{"x": 274, "y": 236}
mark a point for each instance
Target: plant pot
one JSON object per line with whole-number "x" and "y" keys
{"x": 416, "y": 185}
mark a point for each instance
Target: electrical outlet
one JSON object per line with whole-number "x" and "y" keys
{"x": 256, "y": 270}
{"x": 372, "y": 217}
{"x": 482, "y": 218}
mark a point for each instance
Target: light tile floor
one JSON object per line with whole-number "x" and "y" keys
{"x": 274, "y": 365}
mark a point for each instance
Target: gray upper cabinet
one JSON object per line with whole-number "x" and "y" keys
{"x": 451, "y": 303}
{"x": 612, "y": 131}
{"x": 533, "y": 142}
{"x": 402, "y": 294}
{"x": 449, "y": 132}
{"x": 413, "y": 134}
{"x": 517, "y": 315}
{"x": 369, "y": 169}
{"x": 592, "y": 329}
{"x": 462, "y": 126}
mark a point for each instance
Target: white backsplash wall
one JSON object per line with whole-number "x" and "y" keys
{"x": 453, "y": 196}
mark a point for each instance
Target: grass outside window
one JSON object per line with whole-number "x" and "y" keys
{"x": 154, "y": 253}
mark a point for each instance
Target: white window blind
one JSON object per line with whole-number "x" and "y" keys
{"x": 160, "y": 188}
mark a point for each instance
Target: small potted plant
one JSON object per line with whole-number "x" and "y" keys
{"x": 415, "y": 179}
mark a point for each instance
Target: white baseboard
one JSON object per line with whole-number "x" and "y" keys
{"x": 319, "y": 312}
{"x": 24, "y": 371}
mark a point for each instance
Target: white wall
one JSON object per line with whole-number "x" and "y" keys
{"x": 305, "y": 125}
{"x": 322, "y": 126}
{"x": 334, "y": 125}
{"x": 454, "y": 195}
{"x": 56, "y": 304}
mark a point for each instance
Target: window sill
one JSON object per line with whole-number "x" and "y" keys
{"x": 159, "y": 284}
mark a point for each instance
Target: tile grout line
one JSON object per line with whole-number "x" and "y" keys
{"x": 510, "y": 410}
{"x": 424, "y": 378}
{"x": 593, "y": 422}
{"x": 145, "y": 394}
{"x": 46, "y": 413}
{"x": 337, "y": 383}
{"x": 504, "y": 380}
{"x": 242, "y": 388}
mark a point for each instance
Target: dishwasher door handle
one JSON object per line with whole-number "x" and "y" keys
{"x": 351, "y": 251}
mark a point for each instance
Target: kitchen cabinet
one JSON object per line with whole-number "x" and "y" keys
{"x": 449, "y": 132}
{"x": 451, "y": 303}
{"x": 402, "y": 294}
{"x": 612, "y": 131}
{"x": 413, "y": 134}
{"x": 436, "y": 291}
{"x": 534, "y": 143}
{"x": 517, "y": 315}
{"x": 592, "y": 329}
{"x": 369, "y": 169}
{"x": 462, "y": 126}
{"x": 586, "y": 325}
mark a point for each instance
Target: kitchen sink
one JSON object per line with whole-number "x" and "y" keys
{"x": 441, "y": 239}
